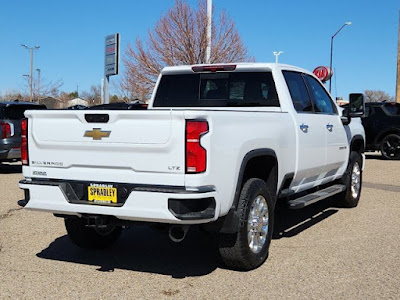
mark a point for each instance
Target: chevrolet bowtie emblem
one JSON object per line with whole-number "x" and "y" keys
{"x": 97, "y": 133}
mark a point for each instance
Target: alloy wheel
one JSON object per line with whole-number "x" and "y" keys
{"x": 257, "y": 224}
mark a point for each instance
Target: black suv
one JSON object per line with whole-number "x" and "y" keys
{"x": 382, "y": 128}
{"x": 11, "y": 114}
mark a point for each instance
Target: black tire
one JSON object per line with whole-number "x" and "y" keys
{"x": 235, "y": 249}
{"x": 91, "y": 238}
{"x": 352, "y": 179}
{"x": 390, "y": 146}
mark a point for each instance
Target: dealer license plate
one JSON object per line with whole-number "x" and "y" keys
{"x": 102, "y": 193}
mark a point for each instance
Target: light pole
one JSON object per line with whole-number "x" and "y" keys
{"x": 38, "y": 89}
{"x": 330, "y": 64}
{"x": 277, "y": 55}
{"x": 209, "y": 24}
{"x": 31, "y": 49}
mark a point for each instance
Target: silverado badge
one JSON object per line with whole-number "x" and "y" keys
{"x": 97, "y": 133}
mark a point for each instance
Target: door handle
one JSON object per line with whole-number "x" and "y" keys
{"x": 329, "y": 127}
{"x": 304, "y": 127}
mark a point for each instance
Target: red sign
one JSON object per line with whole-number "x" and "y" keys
{"x": 323, "y": 73}
{"x": 110, "y": 49}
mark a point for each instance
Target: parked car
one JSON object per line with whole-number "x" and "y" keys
{"x": 11, "y": 114}
{"x": 133, "y": 105}
{"x": 382, "y": 128}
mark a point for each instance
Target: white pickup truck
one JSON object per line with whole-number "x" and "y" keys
{"x": 218, "y": 146}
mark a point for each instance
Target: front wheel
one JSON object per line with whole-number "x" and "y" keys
{"x": 352, "y": 179}
{"x": 248, "y": 248}
{"x": 91, "y": 238}
{"x": 390, "y": 146}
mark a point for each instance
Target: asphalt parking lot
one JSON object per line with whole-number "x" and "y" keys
{"x": 321, "y": 252}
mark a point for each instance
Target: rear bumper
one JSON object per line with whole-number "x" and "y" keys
{"x": 173, "y": 205}
{"x": 10, "y": 154}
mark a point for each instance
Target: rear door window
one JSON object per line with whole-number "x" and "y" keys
{"x": 322, "y": 102}
{"x": 298, "y": 92}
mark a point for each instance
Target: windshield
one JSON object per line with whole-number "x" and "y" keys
{"x": 217, "y": 90}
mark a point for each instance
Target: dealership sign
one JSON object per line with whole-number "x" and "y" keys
{"x": 323, "y": 73}
{"x": 111, "y": 55}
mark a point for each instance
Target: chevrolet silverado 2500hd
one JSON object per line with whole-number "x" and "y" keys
{"x": 218, "y": 146}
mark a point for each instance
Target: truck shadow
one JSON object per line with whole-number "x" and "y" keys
{"x": 376, "y": 156}
{"x": 10, "y": 168}
{"x": 144, "y": 250}
{"x": 289, "y": 222}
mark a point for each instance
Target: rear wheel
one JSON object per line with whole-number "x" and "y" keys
{"x": 390, "y": 146}
{"x": 248, "y": 248}
{"x": 353, "y": 182}
{"x": 89, "y": 237}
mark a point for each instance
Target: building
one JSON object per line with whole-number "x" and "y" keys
{"x": 77, "y": 101}
{"x": 341, "y": 101}
{"x": 50, "y": 102}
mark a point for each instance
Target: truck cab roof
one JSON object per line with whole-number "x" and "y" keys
{"x": 12, "y": 103}
{"x": 241, "y": 67}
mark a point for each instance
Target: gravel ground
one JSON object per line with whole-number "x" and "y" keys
{"x": 321, "y": 252}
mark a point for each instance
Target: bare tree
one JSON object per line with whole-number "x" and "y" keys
{"x": 12, "y": 95}
{"x": 50, "y": 88}
{"x": 124, "y": 89}
{"x": 377, "y": 96}
{"x": 93, "y": 97}
{"x": 47, "y": 88}
{"x": 180, "y": 38}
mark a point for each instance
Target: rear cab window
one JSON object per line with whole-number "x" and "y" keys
{"x": 392, "y": 109}
{"x": 220, "y": 89}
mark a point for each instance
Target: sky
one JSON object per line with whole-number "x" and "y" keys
{"x": 71, "y": 37}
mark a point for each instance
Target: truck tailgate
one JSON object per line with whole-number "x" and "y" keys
{"x": 124, "y": 146}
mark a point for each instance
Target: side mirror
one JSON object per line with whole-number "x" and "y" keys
{"x": 356, "y": 105}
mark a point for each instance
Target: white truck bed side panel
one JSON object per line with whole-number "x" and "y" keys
{"x": 241, "y": 132}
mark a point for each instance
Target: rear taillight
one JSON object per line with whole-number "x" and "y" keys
{"x": 196, "y": 155}
{"x": 5, "y": 130}
{"x": 24, "y": 142}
